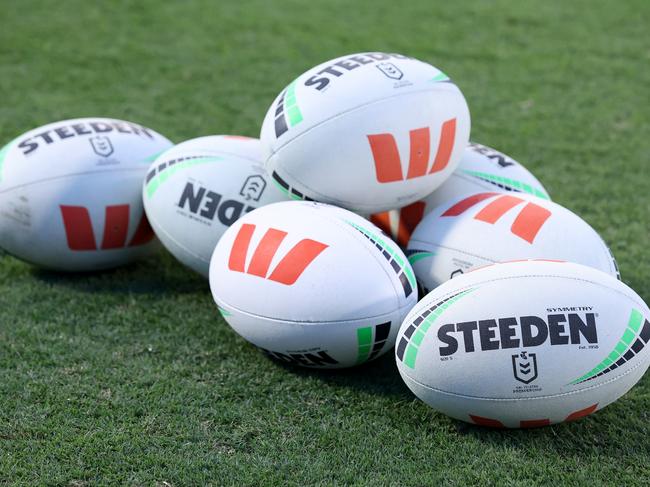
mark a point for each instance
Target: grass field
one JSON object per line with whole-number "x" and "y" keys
{"x": 131, "y": 377}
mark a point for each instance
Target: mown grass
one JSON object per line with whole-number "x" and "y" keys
{"x": 130, "y": 377}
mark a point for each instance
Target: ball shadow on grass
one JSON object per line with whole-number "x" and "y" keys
{"x": 157, "y": 275}
{"x": 379, "y": 376}
{"x": 608, "y": 433}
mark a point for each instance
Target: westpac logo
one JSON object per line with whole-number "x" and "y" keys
{"x": 81, "y": 236}
{"x": 527, "y": 225}
{"x": 388, "y": 165}
{"x": 400, "y": 223}
{"x": 288, "y": 270}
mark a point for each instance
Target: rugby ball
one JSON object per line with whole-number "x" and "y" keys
{"x": 194, "y": 191}
{"x": 70, "y": 194}
{"x": 481, "y": 168}
{"x": 485, "y": 228}
{"x": 312, "y": 284}
{"x": 368, "y": 132}
{"x": 525, "y": 344}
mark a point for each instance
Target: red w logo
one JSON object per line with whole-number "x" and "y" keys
{"x": 527, "y": 225}
{"x": 79, "y": 228}
{"x": 290, "y": 267}
{"x": 387, "y": 160}
{"x": 407, "y": 219}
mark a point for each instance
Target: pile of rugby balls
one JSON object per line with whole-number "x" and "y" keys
{"x": 362, "y": 192}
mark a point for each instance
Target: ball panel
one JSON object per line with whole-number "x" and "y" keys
{"x": 524, "y": 341}
{"x": 396, "y": 159}
{"x": 78, "y": 146}
{"x": 321, "y": 344}
{"x": 434, "y": 264}
{"x": 66, "y": 224}
{"x": 319, "y": 94}
{"x": 400, "y": 127}
{"x": 501, "y": 227}
{"x": 255, "y": 246}
{"x": 331, "y": 284}
{"x": 70, "y": 193}
{"x": 521, "y": 413}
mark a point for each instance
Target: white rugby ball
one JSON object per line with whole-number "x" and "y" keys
{"x": 312, "y": 284}
{"x": 194, "y": 191}
{"x": 481, "y": 168}
{"x": 70, "y": 194}
{"x": 368, "y": 132}
{"x": 525, "y": 344}
{"x": 484, "y": 228}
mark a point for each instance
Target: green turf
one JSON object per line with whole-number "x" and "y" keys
{"x": 130, "y": 377}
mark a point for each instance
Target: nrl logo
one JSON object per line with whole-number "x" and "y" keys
{"x": 390, "y": 70}
{"x": 253, "y": 187}
{"x": 524, "y": 367}
{"x": 101, "y": 145}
